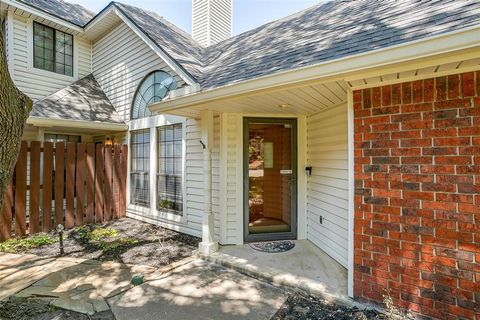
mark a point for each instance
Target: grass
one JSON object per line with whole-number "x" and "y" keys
{"x": 117, "y": 243}
{"x": 97, "y": 234}
{"x": 15, "y": 245}
{"x": 105, "y": 238}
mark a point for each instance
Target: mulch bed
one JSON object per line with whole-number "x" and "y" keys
{"x": 150, "y": 245}
{"x": 300, "y": 306}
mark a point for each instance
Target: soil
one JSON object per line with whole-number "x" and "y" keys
{"x": 153, "y": 245}
{"x": 38, "y": 309}
{"x": 300, "y": 306}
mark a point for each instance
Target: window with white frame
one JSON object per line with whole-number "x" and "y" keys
{"x": 140, "y": 167}
{"x": 52, "y": 50}
{"x": 170, "y": 168}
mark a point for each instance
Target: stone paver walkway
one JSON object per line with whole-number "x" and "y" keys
{"x": 188, "y": 289}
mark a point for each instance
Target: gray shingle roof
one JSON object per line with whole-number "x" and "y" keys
{"x": 70, "y": 12}
{"x": 83, "y": 100}
{"x": 325, "y": 32}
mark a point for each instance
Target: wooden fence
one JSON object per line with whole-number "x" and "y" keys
{"x": 70, "y": 184}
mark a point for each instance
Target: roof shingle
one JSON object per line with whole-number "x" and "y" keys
{"x": 83, "y": 100}
{"x": 71, "y": 12}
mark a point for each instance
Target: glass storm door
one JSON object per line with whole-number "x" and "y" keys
{"x": 270, "y": 179}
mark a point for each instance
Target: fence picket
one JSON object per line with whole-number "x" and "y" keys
{"x": 99, "y": 184}
{"x": 47, "y": 187}
{"x": 108, "y": 183}
{"x": 59, "y": 182}
{"x": 80, "y": 184}
{"x": 70, "y": 186}
{"x": 21, "y": 192}
{"x": 123, "y": 181}
{"x": 34, "y": 194}
{"x": 90, "y": 162}
{"x": 116, "y": 181}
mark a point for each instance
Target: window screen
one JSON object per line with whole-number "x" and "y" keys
{"x": 52, "y": 50}
{"x": 140, "y": 167}
{"x": 170, "y": 168}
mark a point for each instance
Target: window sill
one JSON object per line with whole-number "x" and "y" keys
{"x": 156, "y": 214}
{"x": 51, "y": 74}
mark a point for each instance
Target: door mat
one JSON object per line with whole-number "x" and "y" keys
{"x": 273, "y": 246}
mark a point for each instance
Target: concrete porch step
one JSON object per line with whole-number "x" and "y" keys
{"x": 305, "y": 267}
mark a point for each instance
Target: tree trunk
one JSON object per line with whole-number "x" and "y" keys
{"x": 15, "y": 107}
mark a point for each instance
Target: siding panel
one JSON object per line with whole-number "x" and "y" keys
{"x": 327, "y": 192}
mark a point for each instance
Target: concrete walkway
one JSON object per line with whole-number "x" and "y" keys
{"x": 305, "y": 267}
{"x": 188, "y": 289}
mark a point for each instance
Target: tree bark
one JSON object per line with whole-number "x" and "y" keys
{"x": 15, "y": 107}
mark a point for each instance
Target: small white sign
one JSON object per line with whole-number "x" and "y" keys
{"x": 285, "y": 171}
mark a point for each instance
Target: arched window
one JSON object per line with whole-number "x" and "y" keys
{"x": 153, "y": 88}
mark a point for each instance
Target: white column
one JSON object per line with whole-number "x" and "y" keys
{"x": 40, "y": 134}
{"x": 207, "y": 246}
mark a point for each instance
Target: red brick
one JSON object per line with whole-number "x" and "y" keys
{"x": 386, "y": 96}
{"x": 452, "y": 104}
{"x": 453, "y": 86}
{"x": 396, "y": 94}
{"x": 367, "y": 98}
{"x": 357, "y": 96}
{"x": 376, "y": 97}
{"x": 440, "y": 88}
{"x": 429, "y": 90}
{"x": 468, "y": 84}
{"x": 406, "y": 92}
{"x": 417, "y": 91}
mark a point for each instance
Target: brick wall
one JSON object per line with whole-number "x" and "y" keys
{"x": 417, "y": 195}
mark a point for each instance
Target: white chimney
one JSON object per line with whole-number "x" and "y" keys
{"x": 211, "y": 21}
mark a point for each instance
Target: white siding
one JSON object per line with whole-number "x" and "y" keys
{"x": 327, "y": 193}
{"x": 121, "y": 60}
{"x": 36, "y": 83}
{"x": 194, "y": 175}
{"x": 232, "y": 134}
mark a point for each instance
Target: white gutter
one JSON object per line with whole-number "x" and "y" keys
{"x": 440, "y": 44}
{"x": 43, "y": 14}
{"x": 80, "y": 124}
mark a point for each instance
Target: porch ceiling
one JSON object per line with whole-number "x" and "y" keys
{"x": 306, "y": 100}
